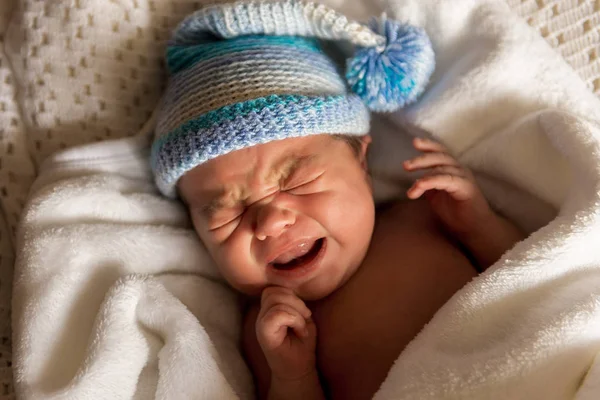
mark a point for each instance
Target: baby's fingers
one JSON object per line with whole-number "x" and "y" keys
{"x": 456, "y": 186}
{"x": 272, "y": 326}
{"x": 429, "y": 160}
{"x": 428, "y": 145}
{"x": 278, "y": 295}
{"x": 448, "y": 170}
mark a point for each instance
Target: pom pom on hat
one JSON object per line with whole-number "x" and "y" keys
{"x": 392, "y": 75}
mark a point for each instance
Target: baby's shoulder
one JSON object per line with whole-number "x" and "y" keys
{"x": 407, "y": 212}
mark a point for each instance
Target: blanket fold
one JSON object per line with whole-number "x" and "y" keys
{"x": 114, "y": 294}
{"x": 115, "y": 297}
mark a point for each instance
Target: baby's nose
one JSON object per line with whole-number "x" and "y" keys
{"x": 272, "y": 221}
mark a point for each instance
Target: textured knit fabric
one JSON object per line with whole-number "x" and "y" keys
{"x": 390, "y": 79}
{"x": 269, "y": 17}
{"x": 248, "y": 73}
{"x": 572, "y": 27}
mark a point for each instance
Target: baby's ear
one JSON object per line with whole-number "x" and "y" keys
{"x": 365, "y": 141}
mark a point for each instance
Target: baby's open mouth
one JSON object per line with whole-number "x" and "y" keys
{"x": 298, "y": 257}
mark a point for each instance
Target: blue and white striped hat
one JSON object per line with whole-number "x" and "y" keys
{"x": 251, "y": 72}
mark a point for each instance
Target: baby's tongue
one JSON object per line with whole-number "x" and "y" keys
{"x": 296, "y": 252}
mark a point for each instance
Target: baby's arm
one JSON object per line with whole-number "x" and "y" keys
{"x": 282, "y": 350}
{"x": 459, "y": 203}
{"x": 491, "y": 239}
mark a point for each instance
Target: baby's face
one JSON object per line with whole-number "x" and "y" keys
{"x": 296, "y": 213}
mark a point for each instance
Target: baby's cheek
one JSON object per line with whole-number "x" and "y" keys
{"x": 235, "y": 256}
{"x": 242, "y": 274}
{"x": 345, "y": 206}
{"x": 355, "y": 218}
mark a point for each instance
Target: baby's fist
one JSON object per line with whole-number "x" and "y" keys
{"x": 287, "y": 334}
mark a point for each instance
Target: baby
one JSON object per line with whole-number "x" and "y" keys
{"x": 260, "y": 138}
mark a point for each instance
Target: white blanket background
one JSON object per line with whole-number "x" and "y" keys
{"x": 115, "y": 298}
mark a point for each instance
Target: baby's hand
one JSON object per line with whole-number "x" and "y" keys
{"x": 450, "y": 188}
{"x": 287, "y": 335}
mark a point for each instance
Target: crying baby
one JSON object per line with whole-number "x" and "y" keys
{"x": 261, "y": 138}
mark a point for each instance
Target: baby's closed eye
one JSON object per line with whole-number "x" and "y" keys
{"x": 221, "y": 216}
{"x": 228, "y": 217}
{"x": 302, "y": 183}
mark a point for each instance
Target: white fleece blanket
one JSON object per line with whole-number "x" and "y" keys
{"x": 115, "y": 298}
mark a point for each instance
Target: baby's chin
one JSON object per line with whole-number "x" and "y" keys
{"x": 310, "y": 294}
{"x": 307, "y": 292}
{"x": 313, "y": 290}
{"x": 330, "y": 278}
{"x": 326, "y": 284}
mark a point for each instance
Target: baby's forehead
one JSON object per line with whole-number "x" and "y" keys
{"x": 230, "y": 177}
{"x": 266, "y": 171}
{"x": 259, "y": 165}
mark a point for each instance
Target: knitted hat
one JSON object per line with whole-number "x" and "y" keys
{"x": 251, "y": 72}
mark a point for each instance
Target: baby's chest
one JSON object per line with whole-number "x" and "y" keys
{"x": 364, "y": 326}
